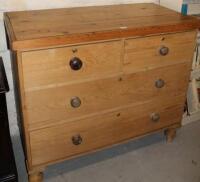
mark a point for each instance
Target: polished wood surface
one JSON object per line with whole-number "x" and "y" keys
{"x": 47, "y": 28}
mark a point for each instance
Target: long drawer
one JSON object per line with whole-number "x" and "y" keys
{"x": 156, "y": 51}
{"x": 45, "y": 107}
{"x": 73, "y": 138}
{"x": 60, "y": 65}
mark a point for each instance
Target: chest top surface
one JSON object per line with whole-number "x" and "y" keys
{"x": 56, "y": 27}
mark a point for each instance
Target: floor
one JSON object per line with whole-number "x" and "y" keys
{"x": 149, "y": 159}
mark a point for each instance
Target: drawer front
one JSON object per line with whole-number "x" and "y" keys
{"x": 74, "y": 138}
{"x": 70, "y": 64}
{"x": 156, "y": 51}
{"x": 45, "y": 107}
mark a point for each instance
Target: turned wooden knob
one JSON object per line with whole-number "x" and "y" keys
{"x": 159, "y": 83}
{"x": 75, "y": 102}
{"x": 155, "y": 117}
{"x": 77, "y": 139}
{"x": 164, "y": 51}
{"x": 75, "y": 64}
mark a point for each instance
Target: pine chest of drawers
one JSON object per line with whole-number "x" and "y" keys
{"x": 88, "y": 78}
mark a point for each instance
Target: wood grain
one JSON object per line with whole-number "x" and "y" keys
{"x": 47, "y": 28}
{"x": 119, "y": 47}
{"x": 47, "y": 106}
{"x": 55, "y": 143}
{"x": 143, "y": 53}
{"x": 51, "y": 66}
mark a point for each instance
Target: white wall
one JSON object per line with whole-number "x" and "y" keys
{"x": 3, "y": 46}
{"x": 172, "y": 4}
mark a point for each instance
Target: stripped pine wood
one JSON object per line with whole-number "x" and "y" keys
{"x": 47, "y": 106}
{"x": 143, "y": 53}
{"x": 102, "y": 130}
{"x": 93, "y": 77}
{"x": 49, "y": 67}
{"x": 45, "y": 28}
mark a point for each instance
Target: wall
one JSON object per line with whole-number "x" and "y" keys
{"x": 191, "y": 1}
{"x": 172, "y": 4}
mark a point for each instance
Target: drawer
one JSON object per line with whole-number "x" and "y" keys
{"x": 47, "y": 106}
{"x": 156, "y": 51}
{"x": 70, "y": 64}
{"x": 81, "y": 136}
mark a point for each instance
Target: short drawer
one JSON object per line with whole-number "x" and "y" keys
{"x": 70, "y": 64}
{"x": 156, "y": 51}
{"x": 81, "y": 136}
{"x": 71, "y": 102}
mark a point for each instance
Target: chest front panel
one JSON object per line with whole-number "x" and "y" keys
{"x": 103, "y": 92}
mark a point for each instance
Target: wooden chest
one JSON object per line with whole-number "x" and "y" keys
{"x": 88, "y": 78}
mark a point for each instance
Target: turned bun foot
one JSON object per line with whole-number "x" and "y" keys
{"x": 170, "y": 134}
{"x": 35, "y": 177}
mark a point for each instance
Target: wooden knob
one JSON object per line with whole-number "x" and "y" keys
{"x": 159, "y": 83}
{"x": 75, "y": 64}
{"x": 164, "y": 51}
{"x": 75, "y": 102}
{"x": 155, "y": 117}
{"x": 77, "y": 139}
